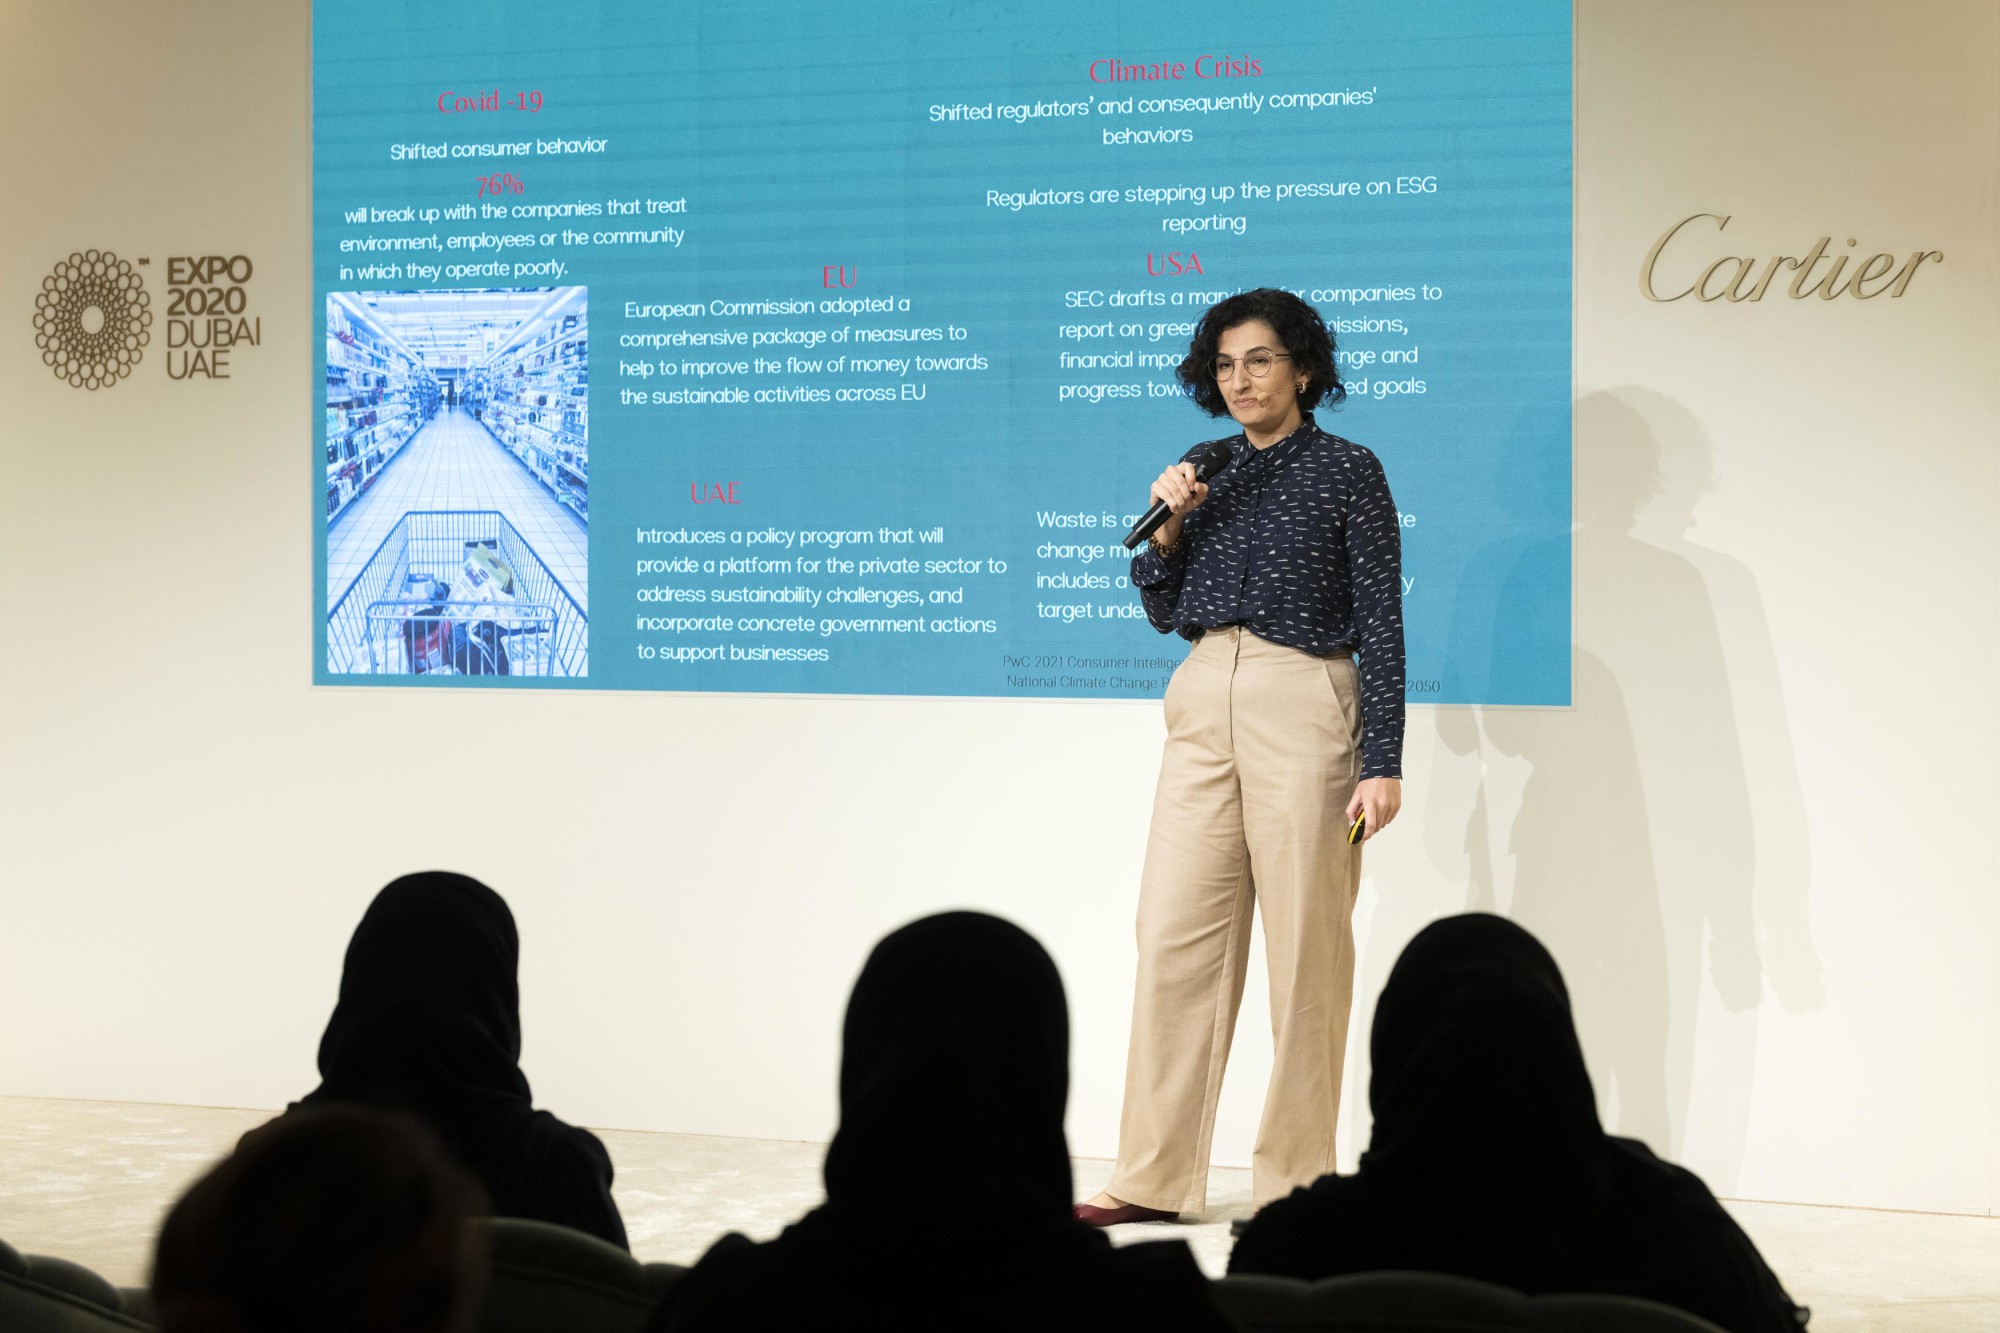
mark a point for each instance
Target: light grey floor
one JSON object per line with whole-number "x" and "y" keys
{"x": 455, "y": 463}
{"x": 90, "y": 1180}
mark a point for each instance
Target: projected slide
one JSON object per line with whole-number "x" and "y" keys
{"x": 827, "y": 348}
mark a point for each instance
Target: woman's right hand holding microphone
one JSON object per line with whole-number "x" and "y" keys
{"x": 1179, "y": 490}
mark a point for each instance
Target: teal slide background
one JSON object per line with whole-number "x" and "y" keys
{"x": 802, "y": 138}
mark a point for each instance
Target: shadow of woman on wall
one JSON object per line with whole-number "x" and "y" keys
{"x": 1656, "y": 830}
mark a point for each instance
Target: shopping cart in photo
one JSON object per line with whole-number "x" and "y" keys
{"x": 456, "y": 592}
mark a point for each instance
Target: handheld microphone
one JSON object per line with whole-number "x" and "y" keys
{"x": 1208, "y": 460}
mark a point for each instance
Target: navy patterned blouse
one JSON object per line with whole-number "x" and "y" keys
{"x": 1299, "y": 544}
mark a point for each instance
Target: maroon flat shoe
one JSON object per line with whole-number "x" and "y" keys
{"x": 1091, "y": 1215}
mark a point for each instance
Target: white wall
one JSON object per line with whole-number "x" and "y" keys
{"x": 1763, "y": 844}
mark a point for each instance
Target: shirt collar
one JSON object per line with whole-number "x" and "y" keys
{"x": 1248, "y": 454}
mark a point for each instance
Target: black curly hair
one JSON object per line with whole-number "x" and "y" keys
{"x": 1298, "y": 327}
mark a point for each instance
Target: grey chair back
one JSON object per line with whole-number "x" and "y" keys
{"x": 550, "y": 1279}
{"x": 43, "y": 1295}
{"x": 1433, "y": 1303}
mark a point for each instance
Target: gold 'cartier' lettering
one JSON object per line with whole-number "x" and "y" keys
{"x": 1811, "y": 261}
{"x": 1869, "y": 273}
{"x": 1718, "y": 281}
{"x": 1909, "y": 270}
{"x": 1653, "y": 256}
{"x": 1733, "y": 290}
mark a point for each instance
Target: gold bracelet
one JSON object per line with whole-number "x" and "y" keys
{"x": 1163, "y": 549}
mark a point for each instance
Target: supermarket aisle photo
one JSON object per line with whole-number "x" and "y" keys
{"x": 456, "y": 419}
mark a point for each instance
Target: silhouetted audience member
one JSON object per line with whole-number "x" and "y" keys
{"x": 948, "y": 1183}
{"x": 429, "y": 1021}
{"x": 1487, "y": 1158}
{"x": 329, "y": 1220}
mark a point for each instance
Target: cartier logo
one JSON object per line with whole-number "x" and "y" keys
{"x": 1735, "y": 278}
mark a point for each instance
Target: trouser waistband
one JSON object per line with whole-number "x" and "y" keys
{"x": 1238, "y": 634}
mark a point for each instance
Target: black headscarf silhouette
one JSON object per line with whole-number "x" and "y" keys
{"x": 429, "y": 1021}
{"x": 948, "y": 1183}
{"x": 1487, "y": 1159}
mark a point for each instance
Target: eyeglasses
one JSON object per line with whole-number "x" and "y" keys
{"x": 1258, "y": 363}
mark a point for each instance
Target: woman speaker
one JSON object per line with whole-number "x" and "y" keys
{"x": 1283, "y": 753}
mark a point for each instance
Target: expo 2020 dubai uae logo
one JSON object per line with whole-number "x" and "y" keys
{"x": 91, "y": 320}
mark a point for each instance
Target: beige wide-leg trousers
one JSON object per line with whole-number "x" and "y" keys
{"x": 1262, "y": 756}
